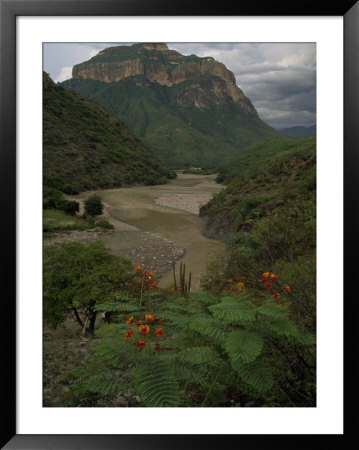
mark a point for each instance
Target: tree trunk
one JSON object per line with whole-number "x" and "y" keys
{"x": 78, "y": 319}
{"x": 91, "y": 327}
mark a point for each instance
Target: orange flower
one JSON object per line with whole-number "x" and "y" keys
{"x": 152, "y": 274}
{"x": 274, "y": 277}
{"x": 144, "y": 329}
{"x": 173, "y": 289}
{"x": 149, "y": 318}
{"x": 276, "y": 295}
{"x": 139, "y": 282}
{"x": 287, "y": 289}
{"x": 269, "y": 285}
{"x": 129, "y": 334}
{"x": 263, "y": 280}
{"x": 157, "y": 346}
{"x": 138, "y": 323}
{"x": 138, "y": 268}
{"x": 145, "y": 273}
{"x": 159, "y": 331}
{"x": 230, "y": 280}
{"x": 265, "y": 274}
{"x": 141, "y": 344}
{"x": 130, "y": 320}
{"x": 240, "y": 285}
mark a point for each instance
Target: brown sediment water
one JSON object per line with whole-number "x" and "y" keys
{"x": 165, "y": 214}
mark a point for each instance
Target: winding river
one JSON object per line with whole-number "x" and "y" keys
{"x": 165, "y": 215}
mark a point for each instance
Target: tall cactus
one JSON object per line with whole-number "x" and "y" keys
{"x": 184, "y": 287}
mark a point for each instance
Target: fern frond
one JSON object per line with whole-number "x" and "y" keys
{"x": 98, "y": 385}
{"x": 204, "y": 298}
{"x": 255, "y": 373}
{"x": 113, "y": 329}
{"x": 112, "y": 348}
{"x": 207, "y": 326}
{"x": 123, "y": 296}
{"x": 116, "y": 307}
{"x": 243, "y": 346}
{"x": 283, "y": 327}
{"x": 232, "y": 310}
{"x": 302, "y": 339}
{"x": 199, "y": 355}
{"x": 157, "y": 384}
{"x": 191, "y": 373}
{"x": 270, "y": 309}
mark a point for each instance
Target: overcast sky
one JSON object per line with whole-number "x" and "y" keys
{"x": 279, "y": 79}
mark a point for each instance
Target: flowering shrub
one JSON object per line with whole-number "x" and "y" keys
{"x": 210, "y": 347}
{"x": 234, "y": 286}
{"x": 274, "y": 286}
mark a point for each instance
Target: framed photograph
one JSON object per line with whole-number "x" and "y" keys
{"x": 278, "y": 70}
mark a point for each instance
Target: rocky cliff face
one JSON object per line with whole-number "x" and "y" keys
{"x": 213, "y": 84}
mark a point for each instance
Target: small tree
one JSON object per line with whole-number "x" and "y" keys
{"x": 76, "y": 277}
{"x": 93, "y": 206}
{"x": 70, "y": 207}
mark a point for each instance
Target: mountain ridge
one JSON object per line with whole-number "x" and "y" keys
{"x": 188, "y": 109}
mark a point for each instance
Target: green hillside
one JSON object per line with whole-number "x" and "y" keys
{"x": 188, "y": 109}
{"x": 85, "y": 147}
{"x": 265, "y": 176}
{"x": 179, "y": 136}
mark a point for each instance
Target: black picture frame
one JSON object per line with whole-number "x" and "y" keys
{"x": 9, "y": 10}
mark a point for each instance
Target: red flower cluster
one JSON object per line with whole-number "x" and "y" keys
{"x": 235, "y": 286}
{"x": 150, "y": 318}
{"x": 158, "y": 332}
{"x": 270, "y": 284}
{"x": 129, "y": 334}
{"x": 144, "y": 329}
{"x": 141, "y": 344}
{"x": 147, "y": 279}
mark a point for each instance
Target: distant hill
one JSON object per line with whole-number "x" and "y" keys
{"x": 264, "y": 176}
{"x": 85, "y": 147}
{"x": 299, "y": 132}
{"x": 188, "y": 109}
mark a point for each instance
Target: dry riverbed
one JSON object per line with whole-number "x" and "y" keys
{"x": 156, "y": 226}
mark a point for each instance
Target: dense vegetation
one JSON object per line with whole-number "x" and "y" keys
{"x": 247, "y": 339}
{"x": 179, "y": 136}
{"x": 268, "y": 215}
{"x": 159, "y": 348}
{"x": 85, "y": 147}
{"x": 265, "y": 176}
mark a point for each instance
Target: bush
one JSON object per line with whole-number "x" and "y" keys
{"x": 70, "y": 207}
{"x": 93, "y": 206}
{"x": 76, "y": 277}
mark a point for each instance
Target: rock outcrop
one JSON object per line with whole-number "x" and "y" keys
{"x": 187, "y": 109}
{"x": 213, "y": 84}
